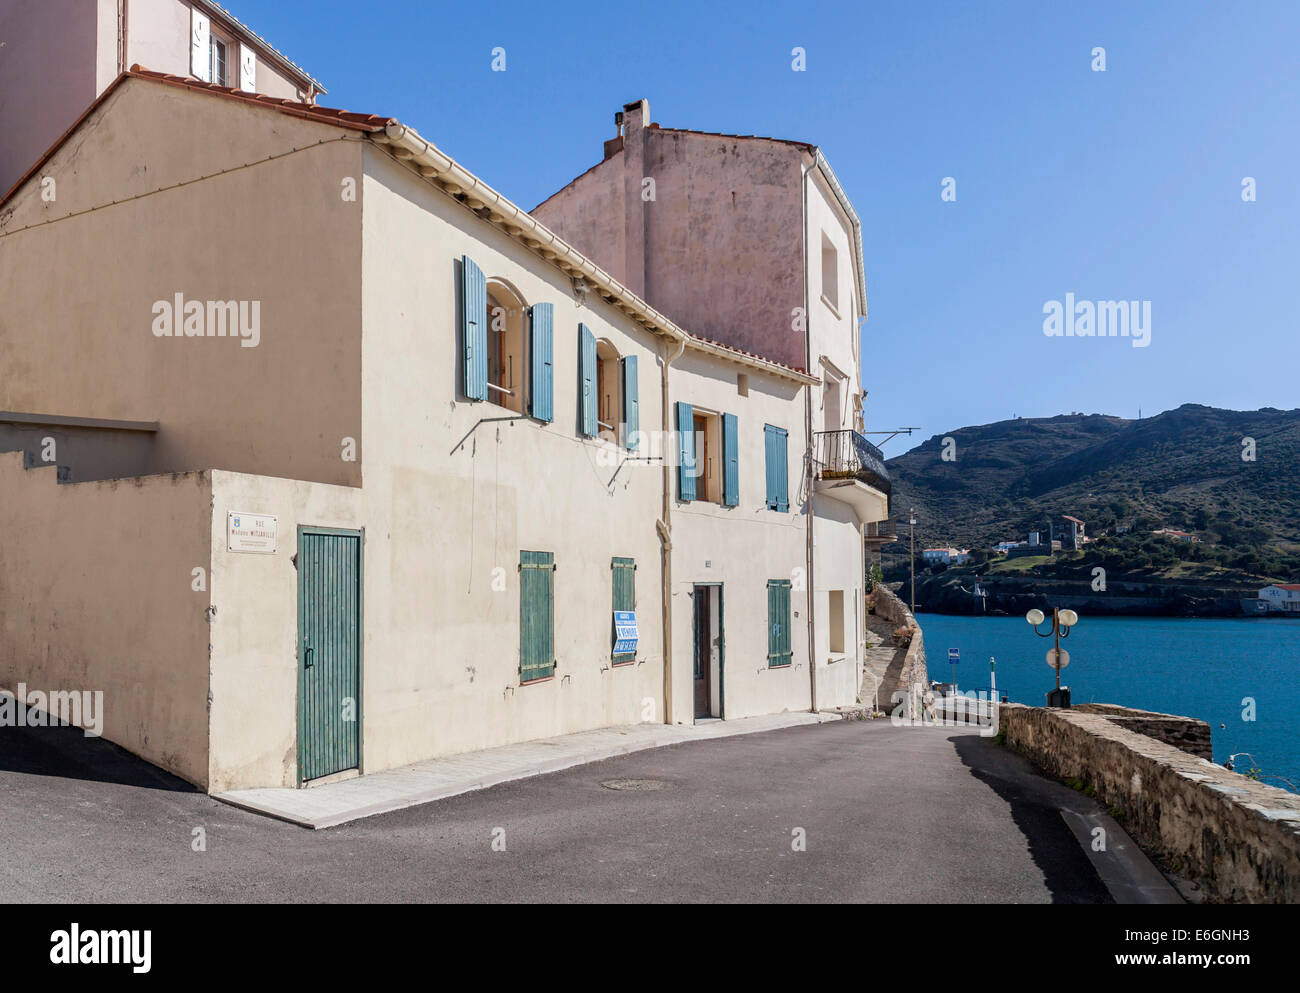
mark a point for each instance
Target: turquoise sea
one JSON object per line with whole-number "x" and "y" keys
{"x": 1197, "y": 667}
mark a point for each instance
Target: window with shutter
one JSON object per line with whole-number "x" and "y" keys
{"x": 200, "y": 46}
{"x": 776, "y": 445}
{"x": 536, "y": 615}
{"x": 220, "y": 71}
{"x": 473, "y": 329}
{"x": 586, "y": 381}
{"x": 631, "y": 404}
{"x": 542, "y": 386}
{"x": 247, "y": 69}
{"x": 624, "y": 573}
{"x": 686, "y": 470}
{"x": 779, "y": 652}
{"x": 731, "y": 460}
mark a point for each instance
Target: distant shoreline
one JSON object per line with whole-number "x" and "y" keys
{"x": 951, "y": 594}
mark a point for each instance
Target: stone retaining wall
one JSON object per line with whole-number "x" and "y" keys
{"x": 914, "y": 677}
{"x": 1235, "y": 837}
{"x": 1187, "y": 733}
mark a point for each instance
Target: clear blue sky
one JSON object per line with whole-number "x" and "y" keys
{"x": 1123, "y": 184}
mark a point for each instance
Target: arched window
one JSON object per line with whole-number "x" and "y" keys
{"x": 506, "y": 371}
{"x": 609, "y": 391}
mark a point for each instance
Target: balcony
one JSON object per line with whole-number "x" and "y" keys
{"x": 877, "y": 533}
{"x": 848, "y": 455}
{"x": 848, "y": 468}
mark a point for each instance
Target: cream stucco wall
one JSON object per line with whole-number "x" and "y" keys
{"x": 254, "y": 631}
{"x": 837, "y": 566}
{"x": 832, "y": 331}
{"x": 97, "y": 594}
{"x": 246, "y": 206}
{"x": 838, "y": 562}
{"x": 742, "y": 547}
{"x": 446, "y": 521}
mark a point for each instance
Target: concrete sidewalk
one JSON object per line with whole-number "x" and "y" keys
{"x": 364, "y": 796}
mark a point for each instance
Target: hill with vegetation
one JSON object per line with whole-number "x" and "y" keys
{"x": 1182, "y": 470}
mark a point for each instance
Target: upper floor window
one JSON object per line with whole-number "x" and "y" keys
{"x": 830, "y": 273}
{"x": 776, "y": 448}
{"x": 609, "y": 394}
{"x": 220, "y": 69}
{"x": 505, "y": 341}
{"x": 609, "y": 399}
{"x": 506, "y": 347}
{"x": 709, "y": 456}
{"x": 832, "y": 414}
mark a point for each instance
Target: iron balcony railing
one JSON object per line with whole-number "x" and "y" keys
{"x": 881, "y": 531}
{"x": 846, "y": 454}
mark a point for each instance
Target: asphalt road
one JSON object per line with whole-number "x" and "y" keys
{"x": 887, "y": 815}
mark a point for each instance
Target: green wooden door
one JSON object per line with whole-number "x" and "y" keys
{"x": 329, "y": 652}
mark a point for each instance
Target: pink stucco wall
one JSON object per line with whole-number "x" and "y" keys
{"x": 47, "y": 76}
{"x": 158, "y": 39}
{"x": 60, "y": 55}
{"x": 720, "y": 247}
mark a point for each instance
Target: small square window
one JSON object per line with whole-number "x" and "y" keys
{"x": 742, "y": 384}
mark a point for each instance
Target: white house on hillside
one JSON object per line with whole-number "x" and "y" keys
{"x": 1281, "y": 598}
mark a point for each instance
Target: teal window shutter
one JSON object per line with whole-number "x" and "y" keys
{"x": 731, "y": 461}
{"x": 631, "y": 403}
{"x": 473, "y": 328}
{"x": 779, "y": 652}
{"x": 783, "y": 479}
{"x": 776, "y": 447}
{"x": 767, "y": 465}
{"x": 686, "y": 446}
{"x": 587, "y": 380}
{"x": 536, "y": 615}
{"x": 624, "y": 572}
{"x": 542, "y": 387}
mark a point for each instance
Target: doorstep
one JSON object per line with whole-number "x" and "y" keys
{"x": 336, "y": 803}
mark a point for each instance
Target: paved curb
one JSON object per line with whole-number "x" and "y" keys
{"x": 1124, "y": 868}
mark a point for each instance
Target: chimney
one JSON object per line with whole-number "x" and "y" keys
{"x": 632, "y": 118}
{"x": 636, "y": 115}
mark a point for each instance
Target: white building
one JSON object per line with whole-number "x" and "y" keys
{"x": 399, "y": 520}
{"x": 1280, "y": 598}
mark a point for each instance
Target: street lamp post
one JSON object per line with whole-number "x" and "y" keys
{"x": 911, "y": 514}
{"x": 1062, "y": 621}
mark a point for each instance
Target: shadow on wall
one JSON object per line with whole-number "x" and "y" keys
{"x": 81, "y": 453}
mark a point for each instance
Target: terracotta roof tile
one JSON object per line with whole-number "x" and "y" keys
{"x": 329, "y": 115}
{"x": 368, "y": 123}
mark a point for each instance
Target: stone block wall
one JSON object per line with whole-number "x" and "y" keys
{"x": 1187, "y": 733}
{"x": 1235, "y": 837}
{"x": 914, "y": 677}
